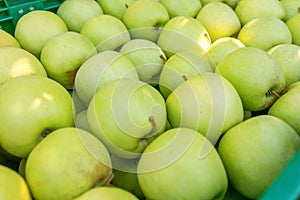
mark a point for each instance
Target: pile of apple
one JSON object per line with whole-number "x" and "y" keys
{"x": 149, "y": 99}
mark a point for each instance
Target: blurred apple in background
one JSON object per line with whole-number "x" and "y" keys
{"x": 63, "y": 54}
{"x": 74, "y": 157}
{"x": 189, "y": 34}
{"x": 219, "y": 19}
{"x": 31, "y": 107}
{"x": 115, "y": 8}
{"x": 247, "y": 10}
{"x": 182, "y": 164}
{"x": 106, "y": 32}
{"x": 179, "y": 68}
{"x": 76, "y": 12}
{"x": 291, "y": 8}
{"x": 147, "y": 57}
{"x": 294, "y": 26}
{"x": 263, "y": 146}
{"x": 260, "y": 31}
{"x": 35, "y": 28}
{"x": 221, "y": 48}
{"x": 99, "y": 70}
{"x": 182, "y": 7}
{"x": 288, "y": 57}
{"x": 207, "y": 103}
{"x": 257, "y": 77}
{"x": 7, "y": 39}
{"x": 287, "y": 107}
{"x": 145, "y": 18}
{"x": 18, "y": 62}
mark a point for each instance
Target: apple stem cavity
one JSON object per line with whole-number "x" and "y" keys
{"x": 184, "y": 77}
{"x": 126, "y": 5}
{"x": 272, "y": 92}
{"x": 45, "y": 133}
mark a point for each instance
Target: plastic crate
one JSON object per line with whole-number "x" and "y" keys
{"x": 12, "y": 10}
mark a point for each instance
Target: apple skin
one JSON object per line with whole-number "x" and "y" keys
{"x": 261, "y": 75}
{"x": 291, "y": 8}
{"x": 182, "y": 7}
{"x": 13, "y": 185}
{"x": 18, "y": 62}
{"x": 63, "y": 54}
{"x": 7, "y": 39}
{"x": 32, "y": 32}
{"x": 144, "y": 19}
{"x": 219, "y": 19}
{"x": 231, "y": 3}
{"x": 81, "y": 121}
{"x": 76, "y": 161}
{"x": 259, "y": 33}
{"x": 75, "y": 13}
{"x": 30, "y": 107}
{"x": 262, "y": 146}
{"x": 287, "y": 107}
{"x": 115, "y": 8}
{"x": 287, "y": 56}
{"x": 181, "y": 164}
{"x": 126, "y": 115}
{"x": 294, "y": 26}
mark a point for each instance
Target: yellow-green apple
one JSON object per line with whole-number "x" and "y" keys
{"x": 189, "y": 34}
{"x": 187, "y": 152}
{"x": 81, "y": 121}
{"x": 291, "y": 8}
{"x": 287, "y": 107}
{"x": 231, "y": 3}
{"x": 145, "y": 18}
{"x": 35, "y": 28}
{"x": 221, "y": 48}
{"x": 63, "y": 54}
{"x": 115, "y": 8}
{"x": 288, "y": 57}
{"x": 7, "y": 39}
{"x": 76, "y": 161}
{"x": 219, "y": 19}
{"x": 257, "y": 77}
{"x": 254, "y": 33}
{"x": 75, "y": 13}
{"x": 99, "y": 70}
{"x": 126, "y": 115}
{"x": 294, "y": 26}
{"x": 18, "y": 62}
{"x": 179, "y": 68}
{"x": 21, "y": 167}
{"x": 147, "y": 57}
{"x": 182, "y": 7}
{"x": 207, "y": 103}
{"x": 247, "y": 10}
{"x": 30, "y": 108}
{"x": 108, "y": 193}
{"x": 13, "y": 185}
{"x": 106, "y": 32}
{"x": 262, "y": 146}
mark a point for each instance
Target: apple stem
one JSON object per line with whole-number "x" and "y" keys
{"x": 109, "y": 180}
{"x": 126, "y": 5}
{"x": 184, "y": 77}
{"x": 154, "y": 126}
{"x": 270, "y": 92}
{"x": 163, "y": 58}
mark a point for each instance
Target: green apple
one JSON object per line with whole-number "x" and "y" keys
{"x": 221, "y": 48}
{"x": 262, "y": 146}
{"x": 247, "y": 10}
{"x": 18, "y": 62}
{"x": 107, "y": 193}
{"x": 99, "y": 70}
{"x": 30, "y": 108}
{"x": 7, "y": 39}
{"x": 21, "y": 167}
{"x": 78, "y": 105}
{"x": 287, "y": 56}
{"x": 106, "y": 32}
{"x": 115, "y": 8}
{"x": 182, "y": 7}
{"x": 231, "y": 3}
{"x": 287, "y": 107}
{"x": 145, "y": 18}
{"x": 75, "y": 13}
{"x": 182, "y": 164}
{"x": 219, "y": 19}
{"x": 189, "y": 34}
{"x": 291, "y": 8}
{"x": 294, "y": 26}
{"x": 179, "y": 68}
{"x": 126, "y": 115}
{"x": 260, "y": 31}
{"x": 207, "y": 103}
{"x": 257, "y": 77}
{"x": 75, "y": 162}
{"x": 81, "y": 121}
{"x": 35, "y": 28}
{"x": 147, "y": 57}
{"x": 63, "y": 54}
{"x": 13, "y": 185}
